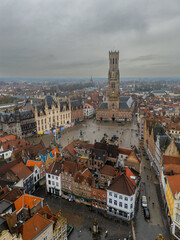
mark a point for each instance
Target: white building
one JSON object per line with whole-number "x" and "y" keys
{"x": 6, "y": 154}
{"x": 53, "y": 178}
{"x": 121, "y": 197}
{"x": 89, "y": 110}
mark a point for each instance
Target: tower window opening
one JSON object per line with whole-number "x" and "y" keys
{"x": 113, "y": 60}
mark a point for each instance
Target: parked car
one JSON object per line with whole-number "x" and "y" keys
{"x": 146, "y": 213}
{"x": 144, "y": 201}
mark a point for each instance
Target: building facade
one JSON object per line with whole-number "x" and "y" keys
{"x": 51, "y": 114}
{"x": 121, "y": 198}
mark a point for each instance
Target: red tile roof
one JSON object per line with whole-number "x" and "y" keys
{"x": 34, "y": 226}
{"x": 7, "y": 138}
{"x": 125, "y": 151}
{"x": 174, "y": 182}
{"x": 12, "y": 195}
{"x": 27, "y": 201}
{"x": 32, "y": 163}
{"x": 21, "y": 170}
{"x": 108, "y": 170}
{"x": 171, "y": 160}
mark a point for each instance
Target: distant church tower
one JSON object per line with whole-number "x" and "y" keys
{"x": 113, "y": 81}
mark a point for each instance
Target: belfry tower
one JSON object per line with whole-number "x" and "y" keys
{"x": 113, "y": 81}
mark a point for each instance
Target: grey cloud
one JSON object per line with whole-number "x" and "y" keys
{"x": 72, "y": 38}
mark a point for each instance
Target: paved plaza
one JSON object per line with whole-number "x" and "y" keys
{"x": 94, "y": 130}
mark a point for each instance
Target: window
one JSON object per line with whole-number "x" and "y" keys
{"x": 52, "y": 177}
{"x": 131, "y": 198}
{"x": 113, "y": 85}
{"x": 115, "y": 202}
{"x": 56, "y": 178}
{"x": 120, "y": 197}
{"x": 115, "y": 195}
{"x": 120, "y": 204}
{"x": 49, "y": 182}
{"x": 52, "y": 182}
{"x": 57, "y": 185}
{"x": 126, "y": 198}
{"x": 125, "y": 205}
{"x": 110, "y": 200}
{"x": 49, "y": 176}
{"x": 110, "y": 193}
{"x": 178, "y": 218}
{"x": 131, "y": 206}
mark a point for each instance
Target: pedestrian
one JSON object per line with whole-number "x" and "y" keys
{"x": 151, "y": 177}
{"x": 147, "y": 177}
{"x": 153, "y": 204}
{"x": 106, "y": 233}
{"x": 149, "y": 198}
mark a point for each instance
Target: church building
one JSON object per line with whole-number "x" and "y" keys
{"x": 117, "y": 108}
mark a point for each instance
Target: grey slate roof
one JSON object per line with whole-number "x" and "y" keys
{"x": 158, "y": 130}
{"x": 124, "y": 98}
{"x": 123, "y": 105}
{"x": 75, "y": 104}
{"x": 99, "y": 154}
{"x": 103, "y": 105}
{"x": 164, "y": 141}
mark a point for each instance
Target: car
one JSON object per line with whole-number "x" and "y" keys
{"x": 146, "y": 213}
{"x": 144, "y": 201}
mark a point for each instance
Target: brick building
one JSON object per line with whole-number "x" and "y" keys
{"x": 77, "y": 112}
{"x": 117, "y": 108}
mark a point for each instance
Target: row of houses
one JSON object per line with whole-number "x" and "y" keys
{"x": 164, "y": 153}
{"x": 99, "y": 175}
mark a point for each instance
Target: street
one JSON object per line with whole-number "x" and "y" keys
{"x": 157, "y": 224}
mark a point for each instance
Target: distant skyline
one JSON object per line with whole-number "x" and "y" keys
{"x": 72, "y": 39}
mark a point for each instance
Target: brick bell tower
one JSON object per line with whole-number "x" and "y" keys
{"x": 113, "y": 81}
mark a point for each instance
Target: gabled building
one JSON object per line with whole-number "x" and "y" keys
{"x": 53, "y": 178}
{"x": 97, "y": 159}
{"x": 59, "y": 225}
{"x": 23, "y": 176}
{"x": 106, "y": 175}
{"x": 20, "y": 123}
{"x": 38, "y": 168}
{"x": 37, "y": 227}
{"x": 121, "y": 197}
{"x": 82, "y": 186}
{"x": 68, "y": 173}
{"x": 51, "y": 114}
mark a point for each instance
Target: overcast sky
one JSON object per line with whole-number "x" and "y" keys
{"x": 72, "y": 38}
